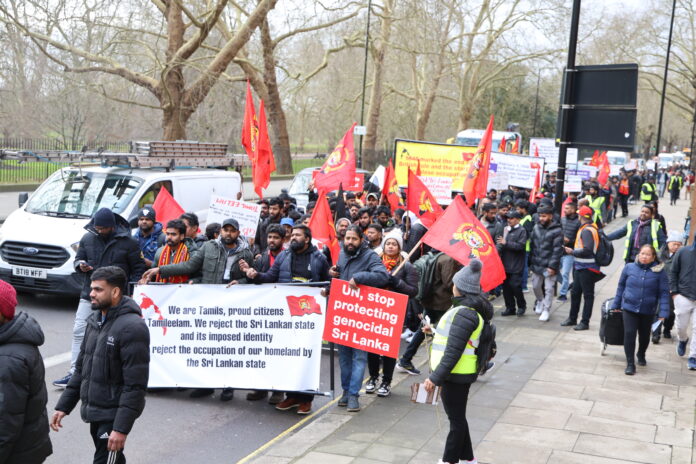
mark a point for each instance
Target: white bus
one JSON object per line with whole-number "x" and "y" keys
{"x": 472, "y": 138}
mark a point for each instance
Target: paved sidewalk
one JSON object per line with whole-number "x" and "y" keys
{"x": 551, "y": 398}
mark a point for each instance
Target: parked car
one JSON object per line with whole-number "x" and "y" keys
{"x": 300, "y": 184}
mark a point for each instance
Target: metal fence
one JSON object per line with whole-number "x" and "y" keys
{"x": 58, "y": 144}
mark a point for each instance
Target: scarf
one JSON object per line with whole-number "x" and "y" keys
{"x": 181, "y": 255}
{"x": 636, "y": 237}
{"x": 390, "y": 263}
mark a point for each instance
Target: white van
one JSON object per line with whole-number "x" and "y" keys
{"x": 38, "y": 241}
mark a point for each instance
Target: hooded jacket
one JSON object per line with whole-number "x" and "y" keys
{"x": 547, "y": 247}
{"x": 120, "y": 249}
{"x": 641, "y": 288}
{"x": 23, "y": 421}
{"x": 211, "y": 260}
{"x": 513, "y": 253}
{"x": 682, "y": 273}
{"x": 364, "y": 266}
{"x": 281, "y": 271}
{"x": 112, "y": 369}
{"x": 148, "y": 245}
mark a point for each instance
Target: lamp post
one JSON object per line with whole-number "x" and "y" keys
{"x": 664, "y": 82}
{"x": 364, "y": 80}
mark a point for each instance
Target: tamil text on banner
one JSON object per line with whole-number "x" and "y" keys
{"x": 246, "y": 336}
{"x": 246, "y": 213}
{"x": 549, "y": 151}
{"x": 442, "y": 160}
{"x": 366, "y": 318}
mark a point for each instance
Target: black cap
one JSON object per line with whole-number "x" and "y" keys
{"x": 513, "y": 215}
{"x": 231, "y": 222}
{"x": 147, "y": 211}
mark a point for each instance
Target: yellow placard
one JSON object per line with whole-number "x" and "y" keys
{"x": 436, "y": 160}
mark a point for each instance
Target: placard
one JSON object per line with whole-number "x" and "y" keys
{"x": 573, "y": 184}
{"x": 246, "y": 213}
{"x": 440, "y": 187}
{"x": 366, "y": 318}
{"x": 263, "y": 337}
{"x": 549, "y": 151}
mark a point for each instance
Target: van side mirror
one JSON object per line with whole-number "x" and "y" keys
{"x": 23, "y": 197}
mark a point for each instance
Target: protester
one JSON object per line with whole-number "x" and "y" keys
{"x": 192, "y": 228}
{"x": 360, "y": 266}
{"x": 149, "y": 233}
{"x": 108, "y": 242}
{"x": 570, "y": 224}
{"x": 666, "y": 255}
{"x": 454, "y": 363}
{"x": 648, "y": 191}
{"x": 512, "y": 247}
{"x": 585, "y": 270}
{"x": 212, "y": 231}
{"x": 643, "y": 285}
{"x": 384, "y": 219}
{"x": 23, "y": 421}
{"x": 657, "y": 216}
{"x": 275, "y": 214}
{"x": 218, "y": 261}
{"x": 275, "y": 236}
{"x": 287, "y": 224}
{"x": 364, "y": 218}
{"x": 639, "y": 232}
{"x": 682, "y": 281}
{"x": 545, "y": 260}
{"x": 112, "y": 369}
{"x": 624, "y": 191}
{"x": 404, "y": 281}
{"x": 176, "y": 250}
{"x": 675, "y": 185}
{"x": 373, "y": 237}
{"x": 263, "y": 212}
{"x": 523, "y": 207}
{"x": 490, "y": 221}
{"x": 413, "y": 231}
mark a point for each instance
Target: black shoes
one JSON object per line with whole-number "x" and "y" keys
{"x": 581, "y": 326}
{"x": 521, "y": 311}
{"x": 641, "y": 360}
{"x": 668, "y": 334}
{"x": 227, "y": 394}
{"x": 508, "y": 312}
{"x": 630, "y": 369}
{"x": 568, "y": 322}
{"x": 201, "y": 392}
{"x": 656, "y": 338}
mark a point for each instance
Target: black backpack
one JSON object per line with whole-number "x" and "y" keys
{"x": 426, "y": 271}
{"x": 605, "y": 250}
{"x": 487, "y": 347}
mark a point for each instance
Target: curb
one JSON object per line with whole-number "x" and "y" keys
{"x": 4, "y": 188}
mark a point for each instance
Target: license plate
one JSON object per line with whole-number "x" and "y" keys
{"x": 32, "y": 272}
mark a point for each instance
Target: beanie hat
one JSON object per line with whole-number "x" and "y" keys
{"x": 674, "y": 236}
{"x": 468, "y": 278}
{"x": 148, "y": 212}
{"x": 104, "y": 218}
{"x": 396, "y": 236}
{"x": 8, "y": 300}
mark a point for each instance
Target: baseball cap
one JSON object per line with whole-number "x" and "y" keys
{"x": 287, "y": 222}
{"x": 513, "y": 215}
{"x": 231, "y": 222}
{"x": 585, "y": 211}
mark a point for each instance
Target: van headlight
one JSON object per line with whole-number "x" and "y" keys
{"x": 75, "y": 246}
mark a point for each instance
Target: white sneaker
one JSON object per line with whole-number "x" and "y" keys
{"x": 544, "y": 316}
{"x": 537, "y": 307}
{"x": 473, "y": 461}
{"x": 407, "y": 333}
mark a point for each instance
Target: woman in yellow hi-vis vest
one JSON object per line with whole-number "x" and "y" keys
{"x": 453, "y": 358}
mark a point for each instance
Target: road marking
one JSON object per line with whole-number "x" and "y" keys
{"x": 53, "y": 361}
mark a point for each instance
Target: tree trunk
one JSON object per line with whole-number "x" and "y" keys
{"x": 174, "y": 115}
{"x": 370, "y": 156}
{"x": 276, "y": 115}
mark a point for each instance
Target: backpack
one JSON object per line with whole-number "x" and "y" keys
{"x": 426, "y": 271}
{"x": 487, "y": 347}
{"x": 605, "y": 250}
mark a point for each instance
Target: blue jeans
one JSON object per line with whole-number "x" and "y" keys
{"x": 84, "y": 310}
{"x": 566, "y": 269}
{"x": 352, "y": 362}
{"x": 525, "y": 272}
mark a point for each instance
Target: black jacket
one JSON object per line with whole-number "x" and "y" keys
{"x": 494, "y": 228}
{"x": 23, "y": 420}
{"x": 682, "y": 273}
{"x": 570, "y": 226}
{"x": 547, "y": 248}
{"x": 415, "y": 234}
{"x": 263, "y": 262}
{"x": 112, "y": 369}
{"x": 514, "y": 251}
{"x": 121, "y": 250}
{"x": 261, "y": 239}
{"x": 281, "y": 271}
{"x": 365, "y": 267}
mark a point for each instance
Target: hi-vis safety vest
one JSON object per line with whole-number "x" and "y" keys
{"x": 467, "y": 362}
{"x": 524, "y": 220}
{"x": 596, "y": 205}
{"x": 651, "y": 191}
{"x": 578, "y": 243}
{"x": 654, "y": 227}
{"x": 673, "y": 180}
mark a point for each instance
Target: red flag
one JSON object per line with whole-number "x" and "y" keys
{"x": 565, "y": 202}
{"x": 460, "y": 235}
{"x": 303, "y": 304}
{"x": 166, "y": 207}
{"x": 250, "y": 126}
{"x": 536, "y": 151}
{"x": 421, "y": 202}
{"x": 604, "y": 169}
{"x": 391, "y": 188}
{"x": 516, "y": 146}
{"x": 339, "y": 167}
{"x": 476, "y": 179}
{"x": 595, "y": 159}
{"x": 537, "y": 177}
{"x": 263, "y": 163}
{"x": 502, "y": 148}
{"x": 322, "y": 226}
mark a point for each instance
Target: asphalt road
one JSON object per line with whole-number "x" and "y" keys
{"x": 173, "y": 428}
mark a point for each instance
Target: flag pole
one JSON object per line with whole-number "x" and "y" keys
{"x": 408, "y": 258}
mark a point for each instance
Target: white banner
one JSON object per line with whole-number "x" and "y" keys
{"x": 549, "y": 151}
{"x": 518, "y": 168}
{"x": 246, "y": 213}
{"x": 265, "y": 337}
{"x": 440, "y": 187}
{"x": 572, "y": 184}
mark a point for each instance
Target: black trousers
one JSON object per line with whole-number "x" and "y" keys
{"x": 388, "y": 365}
{"x": 512, "y": 292}
{"x": 583, "y": 287}
{"x": 301, "y": 397}
{"x": 623, "y": 200}
{"x": 458, "y": 445}
{"x": 100, "y": 432}
{"x": 669, "y": 320}
{"x": 673, "y": 196}
{"x": 635, "y": 323}
{"x": 419, "y": 336}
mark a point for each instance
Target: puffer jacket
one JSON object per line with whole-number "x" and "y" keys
{"x": 112, "y": 369}
{"x": 570, "y": 226}
{"x": 365, "y": 267}
{"x": 121, "y": 250}
{"x": 641, "y": 288}
{"x": 513, "y": 252}
{"x": 23, "y": 420}
{"x": 210, "y": 260}
{"x": 440, "y": 298}
{"x": 281, "y": 271}
{"x": 148, "y": 245}
{"x": 547, "y": 247}
{"x": 682, "y": 274}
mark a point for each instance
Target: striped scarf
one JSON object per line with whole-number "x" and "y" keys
{"x": 181, "y": 255}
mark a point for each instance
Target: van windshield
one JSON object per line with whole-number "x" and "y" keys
{"x": 74, "y": 193}
{"x": 300, "y": 185}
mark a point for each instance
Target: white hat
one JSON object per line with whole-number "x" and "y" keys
{"x": 396, "y": 235}
{"x": 674, "y": 236}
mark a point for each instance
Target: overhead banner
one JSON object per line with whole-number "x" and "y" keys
{"x": 246, "y": 213}
{"x": 262, "y": 337}
{"x": 549, "y": 151}
{"x": 366, "y": 318}
{"x": 443, "y": 160}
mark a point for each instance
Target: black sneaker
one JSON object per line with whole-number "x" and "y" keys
{"x": 371, "y": 385}
{"x": 384, "y": 390}
{"x": 407, "y": 367}
{"x": 641, "y": 360}
{"x": 521, "y": 311}
{"x": 201, "y": 392}
{"x": 562, "y": 298}
{"x": 62, "y": 383}
{"x": 568, "y": 322}
{"x": 343, "y": 401}
{"x": 508, "y": 312}
{"x": 655, "y": 339}
{"x": 227, "y": 394}
{"x": 668, "y": 334}
{"x": 582, "y": 326}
